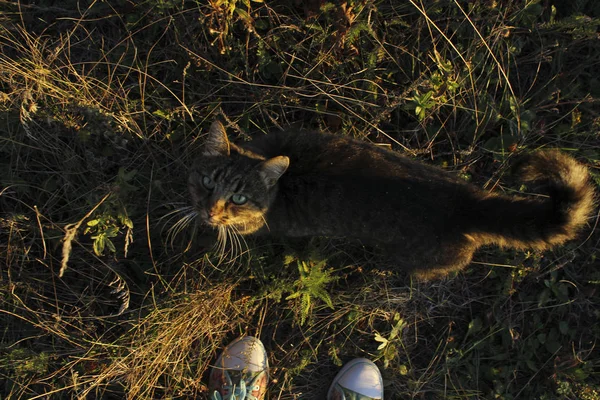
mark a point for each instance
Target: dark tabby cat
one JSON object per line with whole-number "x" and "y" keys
{"x": 315, "y": 184}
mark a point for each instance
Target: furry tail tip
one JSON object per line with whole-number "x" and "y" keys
{"x": 569, "y": 185}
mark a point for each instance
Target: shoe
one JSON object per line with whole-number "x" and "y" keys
{"x": 358, "y": 379}
{"x": 241, "y": 371}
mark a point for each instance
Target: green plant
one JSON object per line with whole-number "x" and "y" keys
{"x": 109, "y": 223}
{"x": 310, "y": 286}
{"x": 27, "y": 363}
{"x": 388, "y": 347}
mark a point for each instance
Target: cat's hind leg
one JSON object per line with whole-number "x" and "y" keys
{"x": 438, "y": 261}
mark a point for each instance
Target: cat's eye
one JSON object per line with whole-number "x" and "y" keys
{"x": 208, "y": 183}
{"x": 239, "y": 199}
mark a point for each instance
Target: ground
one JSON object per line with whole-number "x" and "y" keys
{"x": 107, "y": 290}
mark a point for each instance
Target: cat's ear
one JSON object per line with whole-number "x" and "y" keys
{"x": 271, "y": 170}
{"x": 217, "y": 143}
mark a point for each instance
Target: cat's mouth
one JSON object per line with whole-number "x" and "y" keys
{"x": 213, "y": 220}
{"x": 216, "y": 221}
{"x": 220, "y": 220}
{"x": 240, "y": 227}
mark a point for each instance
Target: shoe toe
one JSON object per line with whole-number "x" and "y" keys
{"x": 361, "y": 376}
{"x": 246, "y": 353}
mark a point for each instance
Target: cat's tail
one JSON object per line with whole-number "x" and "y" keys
{"x": 541, "y": 222}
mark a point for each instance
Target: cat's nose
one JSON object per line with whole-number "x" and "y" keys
{"x": 216, "y": 210}
{"x": 213, "y": 217}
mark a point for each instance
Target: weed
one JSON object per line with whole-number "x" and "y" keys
{"x": 311, "y": 286}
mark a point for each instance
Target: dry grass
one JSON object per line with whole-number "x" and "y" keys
{"x": 167, "y": 350}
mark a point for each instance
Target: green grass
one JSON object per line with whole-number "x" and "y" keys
{"x": 102, "y": 295}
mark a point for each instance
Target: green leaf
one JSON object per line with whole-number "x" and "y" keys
{"x": 580, "y": 375}
{"x": 111, "y": 246}
{"x": 244, "y": 16}
{"x": 389, "y": 353}
{"x": 162, "y": 114}
{"x": 111, "y": 232}
{"x": 561, "y": 291}
{"x": 99, "y": 243}
{"x": 303, "y": 268}
{"x": 541, "y": 338}
{"x": 325, "y": 297}
{"x": 127, "y": 222}
{"x": 127, "y": 176}
{"x": 544, "y": 297}
{"x": 514, "y": 105}
{"x": 261, "y": 24}
{"x": 442, "y": 63}
{"x": 294, "y": 296}
{"x": 474, "y": 326}
{"x": 563, "y": 326}
{"x": 426, "y": 97}
{"x": 306, "y": 305}
{"x": 397, "y": 329}
{"x": 379, "y": 338}
{"x": 288, "y": 259}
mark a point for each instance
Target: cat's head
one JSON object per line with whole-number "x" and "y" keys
{"x": 231, "y": 186}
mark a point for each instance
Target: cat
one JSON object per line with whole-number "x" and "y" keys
{"x": 299, "y": 184}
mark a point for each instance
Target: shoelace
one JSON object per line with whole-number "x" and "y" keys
{"x": 236, "y": 392}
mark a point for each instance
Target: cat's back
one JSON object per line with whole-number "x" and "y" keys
{"x": 313, "y": 152}
{"x": 340, "y": 186}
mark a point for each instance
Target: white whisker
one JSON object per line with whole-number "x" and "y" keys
{"x": 221, "y": 242}
{"x": 230, "y": 245}
{"x": 237, "y": 248}
{"x": 177, "y": 210}
{"x": 243, "y": 245}
{"x": 181, "y": 224}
